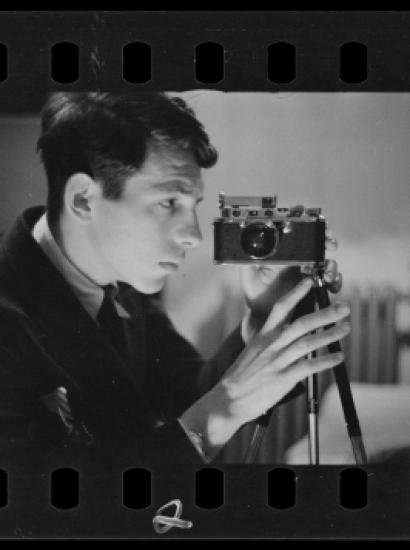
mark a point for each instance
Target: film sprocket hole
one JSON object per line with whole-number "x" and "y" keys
{"x": 252, "y": 229}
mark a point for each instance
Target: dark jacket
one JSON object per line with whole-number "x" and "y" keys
{"x": 48, "y": 340}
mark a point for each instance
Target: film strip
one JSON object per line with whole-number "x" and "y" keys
{"x": 183, "y": 52}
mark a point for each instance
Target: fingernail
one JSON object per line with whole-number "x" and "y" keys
{"x": 345, "y": 326}
{"x": 339, "y": 356}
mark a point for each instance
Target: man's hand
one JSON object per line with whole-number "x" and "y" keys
{"x": 272, "y": 363}
{"x": 264, "y": 284}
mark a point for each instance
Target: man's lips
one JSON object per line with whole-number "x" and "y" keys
{"x": 169, "y": 266}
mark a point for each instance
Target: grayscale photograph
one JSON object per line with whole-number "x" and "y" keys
{"x": 205, "y": 277}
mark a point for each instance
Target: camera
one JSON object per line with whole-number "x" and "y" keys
{"x": 254, "y": 230}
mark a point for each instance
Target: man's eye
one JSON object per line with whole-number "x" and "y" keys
{"x": 168, "y": 203}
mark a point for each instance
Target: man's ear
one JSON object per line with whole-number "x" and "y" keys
{"x": 79, "y": 196}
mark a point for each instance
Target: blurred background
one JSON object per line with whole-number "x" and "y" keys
{"x": 347, "y": 153}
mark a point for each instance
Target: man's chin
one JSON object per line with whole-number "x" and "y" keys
{"x": 149, "y": 287}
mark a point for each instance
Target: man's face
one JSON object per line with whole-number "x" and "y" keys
{"x": 143, "y": 236}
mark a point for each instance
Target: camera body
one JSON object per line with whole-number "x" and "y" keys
{"x": 253, "y": 230}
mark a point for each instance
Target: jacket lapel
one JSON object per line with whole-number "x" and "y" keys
{"x": 100, "y": 381}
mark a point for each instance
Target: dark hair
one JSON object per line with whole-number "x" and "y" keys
{"x": 106, "y": 135}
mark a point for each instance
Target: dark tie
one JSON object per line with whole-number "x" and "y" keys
{"x": 126, "y": 335}
{"x": 110, "y": 321}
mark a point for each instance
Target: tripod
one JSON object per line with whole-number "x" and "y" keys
{"x": 318, "y": 297}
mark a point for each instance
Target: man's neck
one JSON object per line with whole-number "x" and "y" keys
{"x": 75, "y": 246}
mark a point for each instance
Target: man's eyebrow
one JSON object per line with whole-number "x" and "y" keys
{"x": 175, "y": 186}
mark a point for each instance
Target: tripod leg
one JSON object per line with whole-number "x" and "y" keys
{"x": 312, "y": 407}
{"x": 343, "y": 386}
{"x": 305, "y": 306}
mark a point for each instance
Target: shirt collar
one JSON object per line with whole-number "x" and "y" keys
{"x": 89, "y": 294}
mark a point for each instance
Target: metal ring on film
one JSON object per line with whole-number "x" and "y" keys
{"x": 162, "y": 523}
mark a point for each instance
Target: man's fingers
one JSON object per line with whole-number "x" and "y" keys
{"x": 307, "y": 367}
{"x": 310, "y": 343}
{"x": 285, "y": 305}
{"x": 336, "y": 285}
{"x": 331, "y": 269}
{"x": 331, "y": 243}
{"x": 332, "y": 276}
{"x": 309, "y": 323}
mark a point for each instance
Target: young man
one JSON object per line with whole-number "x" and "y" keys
{"x": 91, "y": 367}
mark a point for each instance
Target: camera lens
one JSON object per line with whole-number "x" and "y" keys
{"x": 258, "y": 240}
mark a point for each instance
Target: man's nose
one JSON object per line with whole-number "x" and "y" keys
{"x": 190, "y": 235}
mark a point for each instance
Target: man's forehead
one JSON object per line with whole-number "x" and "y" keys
{"x": 171, "y": 169}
